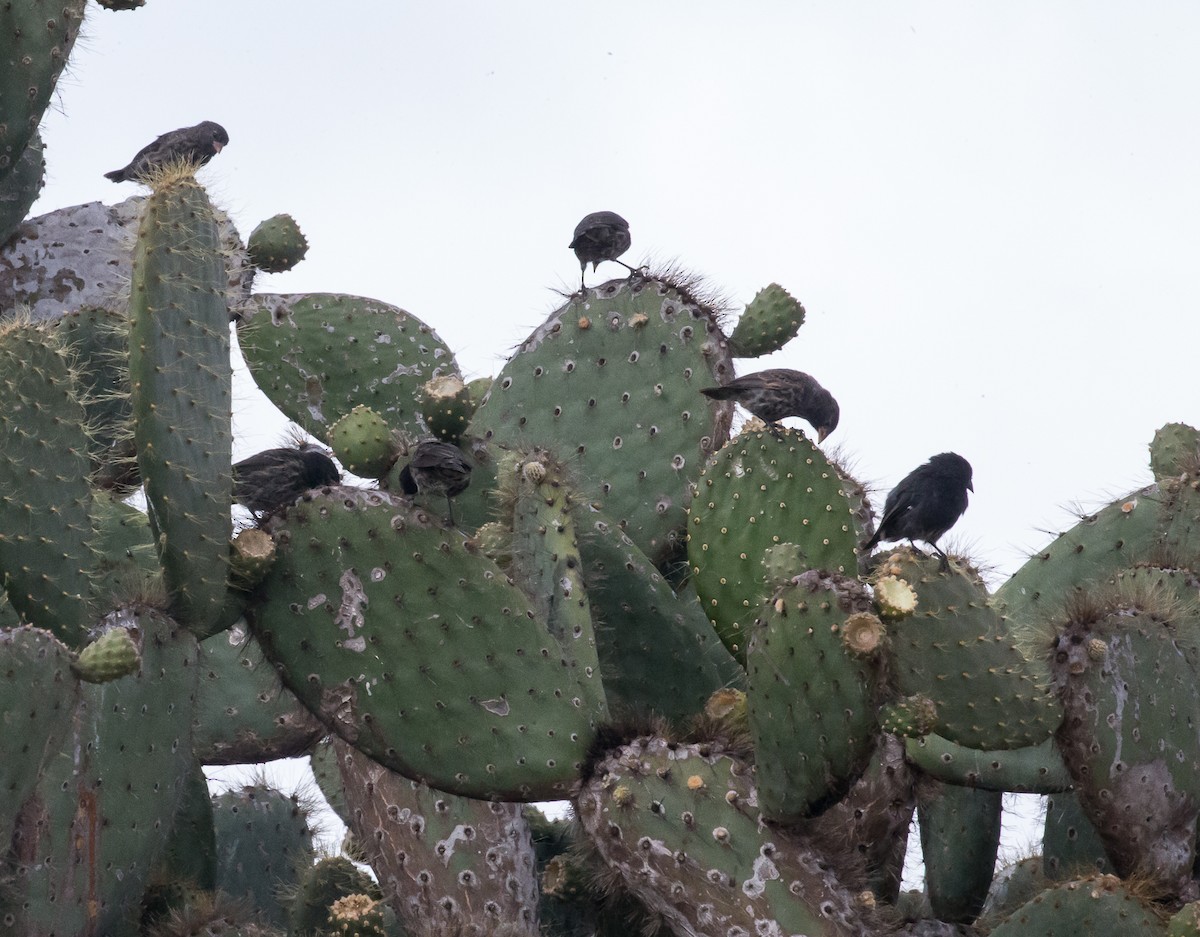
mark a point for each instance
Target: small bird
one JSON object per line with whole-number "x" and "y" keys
{"x": 602, "y": 235}
{"x": 270, "y": 480}
{"x": 781, "y": 392}
{"x": 198, "y": 144}
{"x": 928, "y": 501}
{"x": 436, "y": 466}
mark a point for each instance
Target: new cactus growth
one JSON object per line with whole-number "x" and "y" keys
{"x": 277, "y": 244}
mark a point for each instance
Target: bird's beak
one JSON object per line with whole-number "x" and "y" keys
{"x": 822, "y": 432}
{"x": 218, "y": 145}
{"x": 970, "y": 486}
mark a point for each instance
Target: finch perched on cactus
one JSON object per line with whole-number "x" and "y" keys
{"x": 928, "y": 501}
{"x": 602, "y": 235}
{"x": 274, "y": 479}
{"x": 436, "y": 467}
{"x": 780, "y": 392}
{"x": 196, "y": 144}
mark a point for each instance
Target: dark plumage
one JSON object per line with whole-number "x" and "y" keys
{"x": 198, "y": 144}
{"x": 602, "y": 235}
{"x": 927, "y": 503}
{"x": 270, "y": 480}
{"x": 436, "y": 467}
{"x": 781, "y": 392}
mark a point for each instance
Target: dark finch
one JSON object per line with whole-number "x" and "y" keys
{"x": 197, "y": 144}
{"x": 927, "y": 503}
{"x": 274, "y": 479}
{"x": 436, "y": 467}
{"x": 602, "y": 235}
{"x": 780, "y": 392}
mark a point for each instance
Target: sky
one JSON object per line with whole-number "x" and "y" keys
{"x": 991, "y": 212}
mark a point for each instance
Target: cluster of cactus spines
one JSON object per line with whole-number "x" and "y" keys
{"x": 484, "y": 660}
{"x": 771, "y": 320}
{"x": 761, "y": 490}
{"x": 277, "y": 244}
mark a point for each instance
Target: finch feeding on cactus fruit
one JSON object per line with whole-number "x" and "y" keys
{"x": 196, "y": 144}
{"x": 927, "y": 503}
{"x": 436, "y": 467}
{"x": 274, "y": 479}
{"x": 602, "y": 235}
{"x": 780, "y": 392}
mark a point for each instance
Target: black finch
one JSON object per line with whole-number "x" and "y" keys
{"x": 436, "y": 467}
{"x": 196, "y": 144}
{"x": 928, "y": 501}
{"x": 777, "y": 393}
{"x": 274, "y": 479}
{"x": 602, "y": 235}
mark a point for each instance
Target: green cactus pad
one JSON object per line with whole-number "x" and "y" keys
{"x": 104, "y": 806}
{"x": 37, "y": 38}
{"x": 811, "y": 697}
{"x": 44, "y": 492}
{"x": 1071, "y": 847}
{"x": 113, "y": 655}
{"x": 38, "y": 694}
{"x": 459, "y": 864}
{"x": 21, "y": 187}
{"x": 1125, "y": 671}
{"x": 658, "y": 652}
{"x": 960, "y": 836}
{"x": 264, "y": 842}
{"x": 958, "y": 651}
{"x": 1099, "y": 906}
{"x": 1037, "y": 769}
{"x": 277, "y": 244}
{"x": 181, "y": 384}
{"x": 763, "y": 489}
{"x": 419, "y": 651}
{"x": 611, "y": 381}
{"x": 318, "y": 355}
{"x": 244, "y": 714}
{"x": 679, "y": 825}
{"x": 363, "y": 442}
{"x": 771, "y": 320}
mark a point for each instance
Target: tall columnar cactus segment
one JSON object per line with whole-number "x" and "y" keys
{"x": 181, "y": 384}
{"x": 419, "y": 651}
{"x": 37, "y": 38}
{"x": 761, "y": 490}
{"x": 611, "y": 382}
{"x": 960, "y": 836}
{"x": 318, "y": 355}
{"x": 106, "y": 800}
{"x": 680, "y": 825}
{"x": 44, "y": 492}
{"x": 813, "y": 692}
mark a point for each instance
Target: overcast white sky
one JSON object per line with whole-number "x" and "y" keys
{"x": 991, "y": 211}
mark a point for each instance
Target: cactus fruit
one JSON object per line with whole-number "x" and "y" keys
{"x": 363, "y": 442}
{"x": 1175, "y": 451}
{"x": 447, "y": 405}
{"x": 277, "y": 244}
{"x": 111, "y": 656}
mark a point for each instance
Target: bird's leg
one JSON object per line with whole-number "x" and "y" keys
{"x": 449, "y": 510}
{"x": 775, "y": 430}
{"x": 913, "y": 545}
{"x": 944, "y": 564}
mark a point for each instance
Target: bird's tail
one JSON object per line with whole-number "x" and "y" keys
{"x": 872, "y": 543}
{"x": 408, "y": 484}
{"x": 718, "y": 393}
